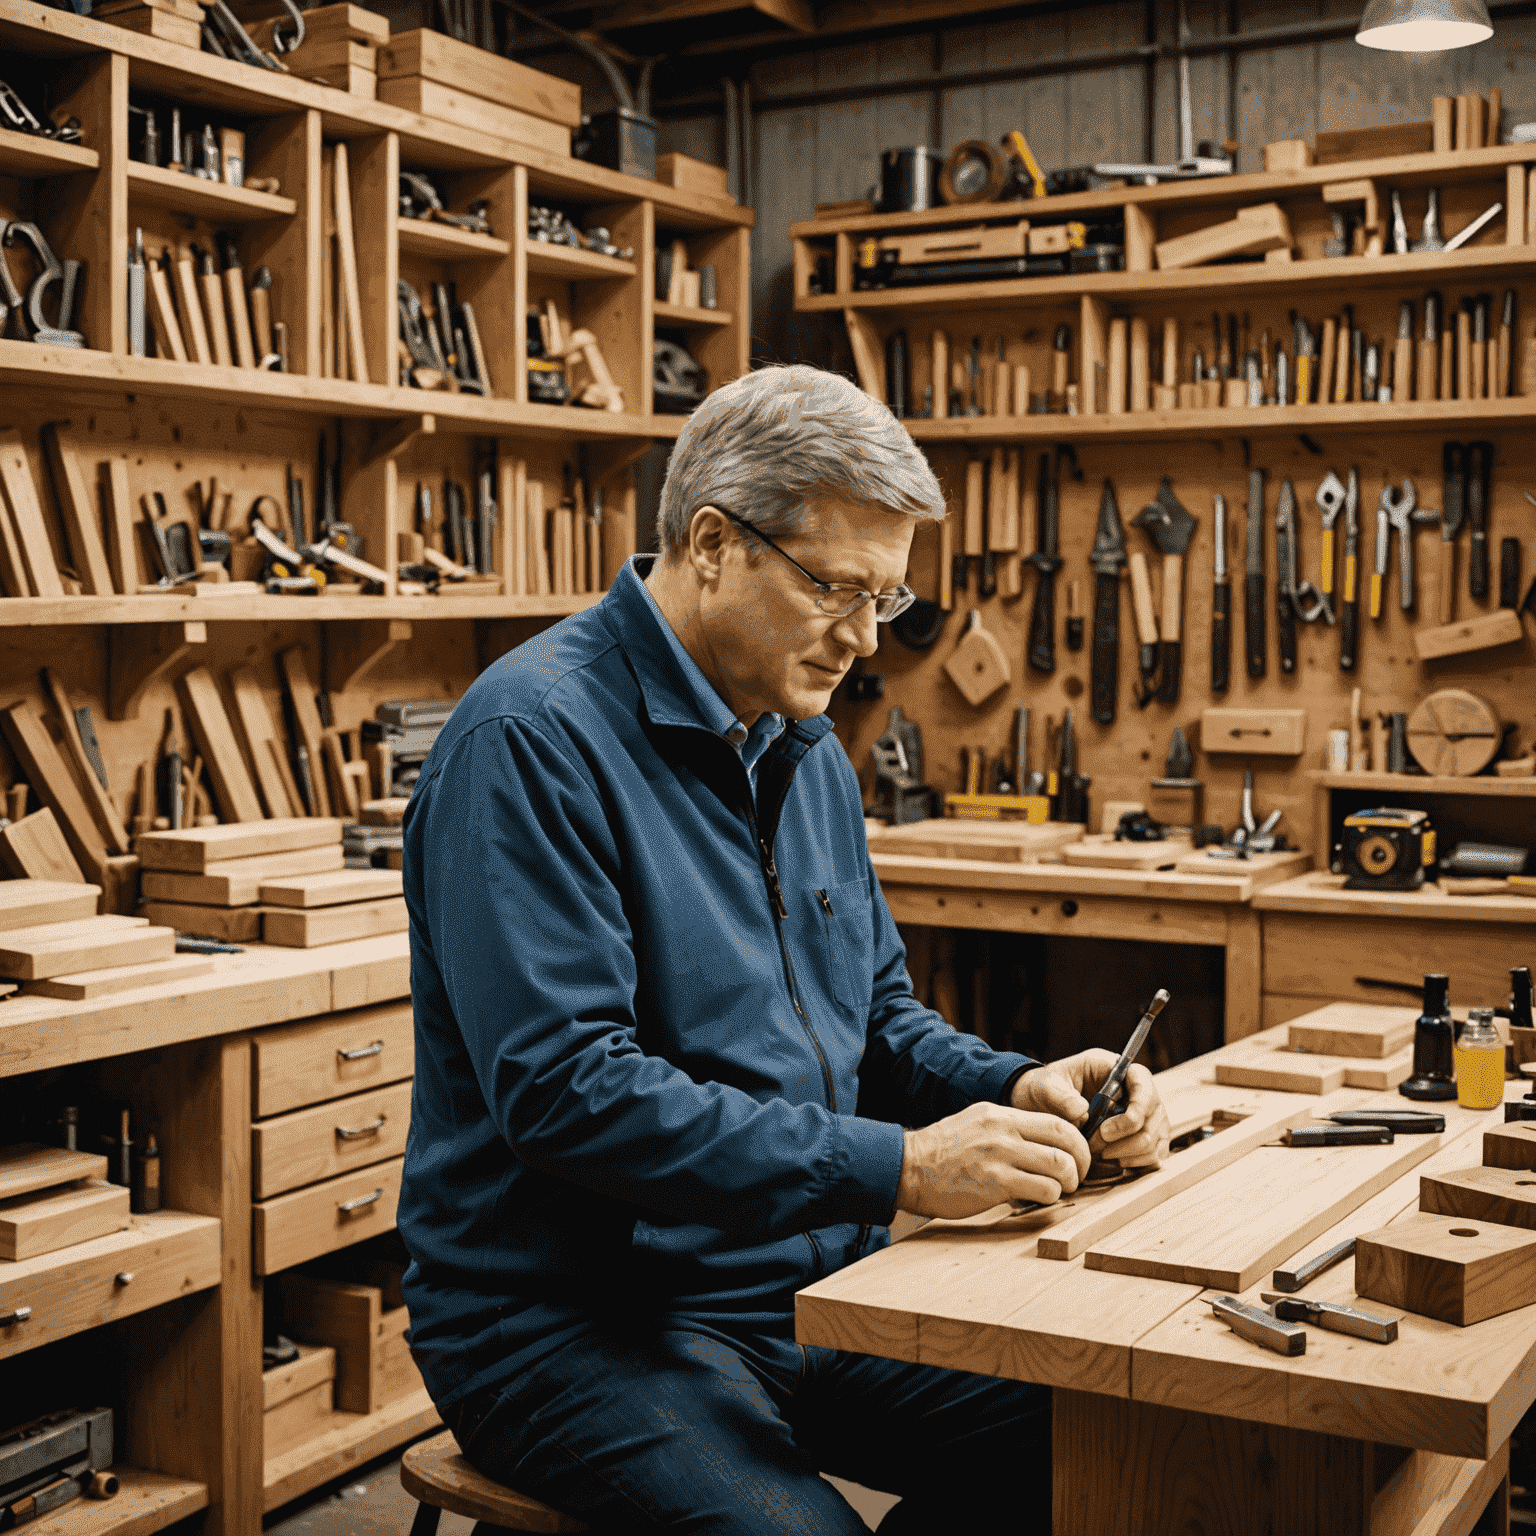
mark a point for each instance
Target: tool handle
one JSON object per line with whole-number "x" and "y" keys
{"x": 1173, "y": 597}
{"x": 1447, "y": 607}
{"x": 1041, "y": 651}
{"x": 1325, "y": 572}
{"x": 1426, "y": 386}
{"x": 1172, "y": 672}
{"x": 1221, "y": 637}
{"x": 940, "y": 371}
{"x": 1105, "y": 676}
{"x": 1141, "y": 600}
{"x": 1285, "y": 612}
{"x": 946, "y": 564}
{"x": 1254, "y": 637}
{"x": 974, "y": 474}
{"x": 1376, "y": 581}
{"x": 1509, "y": 573}
{"x": 1477, "y": 564}
{"x": 1402, "y": 368}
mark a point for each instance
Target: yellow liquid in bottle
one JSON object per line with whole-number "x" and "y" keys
{"x": 1479, "y": 1077}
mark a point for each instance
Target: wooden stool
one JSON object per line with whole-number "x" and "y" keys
{"x": 434, "y": 1472}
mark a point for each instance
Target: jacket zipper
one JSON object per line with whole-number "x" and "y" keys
{"x": 780, "y": 915}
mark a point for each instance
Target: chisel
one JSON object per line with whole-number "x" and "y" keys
{"x": 973, "y": 540}
{"x": 1477, "y": 363}
{"x": 1041, "y": 649}
{"x": 136, "y": 296}
{"x": 1305, "y": 1274}
{"x": 1305, "y": 344}
{"x": 1346, "y": 352}
{"x": 1107, "y": 560}
{"x": 1146, "y": 629}
{"x": 1453, "y": 491}
{"x": 1254, "y": 637}
{"x": 1402, "y": 360}
{"x": 1260, "y": 1327}
{"x": 1427, "y": 384}
{"x": 1479, "y": 471}
{"x": 234, "y": 292}
{"x": 261, "y": 314}
{"x": 1332, "y": 1316}
{"x": 1506, "y": 343}
{"x": 213, "y": 299}
{"x": 1221, "y": 606}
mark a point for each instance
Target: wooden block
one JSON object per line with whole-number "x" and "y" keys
{"x": 690, "y": 175}
{"x": 1235, "y": 1226}
{"x": 319, "y": 54}
{"x": 1447, "y": 1268}
{"x": 29, "y": 903}
{"x": 351, "y": 78}
{"x": 35, "y": 848}
{"x": 26, "y": 1166}
{"x": 1287, "y": 155}
{"x": 436, "y": 56}
{"x": 80, "y": 518}
{"x": 1510, "y": 1146}
{"x": 347, "y": 1316}
{"x": 389, "y": 812}
{"x": 1254, "y": 231}
{"x": 1503, "y": 1195}
{"x": 1375, "y": 143}
{"x": 19, "y": 491}
{"x": 238, "y": 882}
{"x": 92, "y": 944}
{"x": 1348, "y": 1029}
{"x": 333, "y": 889}
{"x": 1254, "y": 732}
{"x": 59, "y": 1218}
{"x": 302, "y": 692}
{"x": 1103, "y": 852}
{"x": 232, "y": 784}
{"x": 445, "y": 103}
{"x": 977, "y": 666}
{"x": 1001, "y": 842}
{"x": 54, "y": 784}
{"x": 1501, "y": 627}
{"x": 163, "y": 25}
{"x": 202, "y": 849}
{"x": 334, "y": 925}
{"x": 231, "y": 925}
{"x": 1286, "y": 1071}
{"x": 354, "y": 21}
{"x": 316, "y": 1364}
{"x": 122, "y": 978}
{"x": 1262, "y": 869}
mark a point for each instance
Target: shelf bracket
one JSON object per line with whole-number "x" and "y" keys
{"x": 353, "y": 646}
{"x": 139, "y": 655}
{"x": 386, "y": 441}
{"x": 608, "y": 458}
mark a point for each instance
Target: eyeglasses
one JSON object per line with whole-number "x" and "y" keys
{"x": 837, "y": 599}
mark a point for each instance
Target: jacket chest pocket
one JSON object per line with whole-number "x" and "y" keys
{"x": 849, "y": 935}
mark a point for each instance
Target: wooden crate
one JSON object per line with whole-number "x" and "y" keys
{"x": 373, "y": 1362}
{"x": 297, "y": 1399}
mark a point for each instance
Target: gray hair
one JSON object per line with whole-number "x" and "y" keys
{"x": 763, "y": 445}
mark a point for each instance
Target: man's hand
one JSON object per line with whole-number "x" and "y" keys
{"x": 987, "y": 1154}
{"x": 1136, "y": 1137}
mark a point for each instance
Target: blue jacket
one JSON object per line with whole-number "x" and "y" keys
{"x": 665, "y": 1037}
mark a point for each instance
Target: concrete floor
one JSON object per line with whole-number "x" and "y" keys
{"x": 371, "y": 1502}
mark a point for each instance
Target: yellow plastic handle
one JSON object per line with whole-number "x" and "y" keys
{"x": 1351, "y": 577}
{"x": 1325, "y": 579}
{"x": 1375, "y": 594}
{"x": 1018, "y": 145}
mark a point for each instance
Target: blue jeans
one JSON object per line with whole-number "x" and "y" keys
{"x": 673, "y": 1425}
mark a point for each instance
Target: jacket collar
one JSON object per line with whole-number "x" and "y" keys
{"x": 632, "y": 619}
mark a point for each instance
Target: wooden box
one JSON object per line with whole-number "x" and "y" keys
{"x": 1447, "y": 1267}
{"x": 436, "y": 56}
{"x": 1510, "y": 1146}
{"x": 297, "y": 1400}
{"x": 1254, "y": 732}
{"x": 373, "y": 1362}
{"x": 47, "y": 1220}
{"x": 1503, "y": 1195}
{"x": 690, "y": 175}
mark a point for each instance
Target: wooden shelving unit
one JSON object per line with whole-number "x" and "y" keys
{"x": 566, "y": 261}
{"x": 446, "y": 242}
{"x": 145, "y": 1502}
{"x": 24, "y": 154}
{"x": 687, "y": 317}
{"x": 154, "y": 186}
{"x": 1430, "y": 784}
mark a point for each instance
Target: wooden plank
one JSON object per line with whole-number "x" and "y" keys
{"x": 1253, "y": 232}
{"x": 333, "y": 889}
{"x": 1260, "y": 870}
{"x": 210, "y": 724}
{"x": 34, "y": 1224}
{"x": 1235, "y": 1226}
{"x": 108, "y": 823}
{"x": 20, "y": 494}
{"x": 436, "y": 56}
{"x": 80, "y": 518}
{"x": 994, "y": 841}
{"x": 258, "y": 728}
{"x": 27, "y": 1166}
{"x": 101, "y": 942}
{"x": 1444, "y": 1267}
{"x": 35, "y": 848}
{"x": 233, "y": 925}
{"x": 445, "y": 104}
{"x": 297, "y": 929}
{"x": 1353, "y": 1029}
{"x": 53, "y": 784}
{"x": 29, "y": 903}
{"x": 199, "y": 850}
{"x": 238, "y": 882}
{"x": 302, "y": 692}
{"x": 307, "y": 1145}
{"x": 84, "y": 985}
{"x": 1292, "y": 1071}
{"x": 1101, "y": 852}
{"x": 975, "y": 875}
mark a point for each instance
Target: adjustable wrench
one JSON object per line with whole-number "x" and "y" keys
{"x": 1401, "y": 511}
{"x": 1330, "y": 502}
{"x": 1307, "y": 603}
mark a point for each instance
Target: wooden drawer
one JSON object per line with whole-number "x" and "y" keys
{"x": 159, "y": 1258}
{"x": 308, "y": 1145}
{"x": 322, "y": 1059}
{"x": 325, "y": 1217}
{"x": 1321, "y": 956}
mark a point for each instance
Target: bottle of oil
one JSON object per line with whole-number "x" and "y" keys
{"x": 1433, "y": 1045}
{"x": 1479, "y": 1062}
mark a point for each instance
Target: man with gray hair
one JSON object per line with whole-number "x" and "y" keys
{"x": 666, "y": 1041}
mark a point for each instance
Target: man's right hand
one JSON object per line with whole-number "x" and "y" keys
{"x": 988, "y": 1154}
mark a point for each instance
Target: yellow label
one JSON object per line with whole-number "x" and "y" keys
{"x": 1479, "y": 1077}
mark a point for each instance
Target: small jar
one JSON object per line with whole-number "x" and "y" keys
{"x": 1479, "y": 1062}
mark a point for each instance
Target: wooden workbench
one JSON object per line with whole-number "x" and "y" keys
{"x": 1167, "y": 1421}
{"x": 1066, "y": 901}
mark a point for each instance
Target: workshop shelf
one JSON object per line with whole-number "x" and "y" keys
{"x": 1429, "y": 784}
{"x": 214, "y": 201}
{"x": 262, "y": 608}
{"x": 568, "y": 262}
{"x": 690, "y": 318}
{"x": 145, "y": 1502}
{"x": 27, "y": 154}
{"x": 447, "y": 242}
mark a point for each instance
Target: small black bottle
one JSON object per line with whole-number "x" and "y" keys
{"x": 1520, "y": 998}
{"x": 1434, "y": 1040}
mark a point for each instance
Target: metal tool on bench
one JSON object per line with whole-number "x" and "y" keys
{"x": 1406, "y": 1122}
{"x": 901, "y": 796}
{"x": 1250, "y": 836}
{"x": 1107, "y": 560}
{"x": 47, "y": 1462}
{"x": 1260, "y": 1327}
{"x": 1479, "y": 472}
{"x": 1305, "y": 1274}
{"x": 1339, "y": 1136}
{"x": 1333, "y": 1316}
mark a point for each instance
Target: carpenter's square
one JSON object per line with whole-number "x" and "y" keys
{"x": 1332, "y": 1316}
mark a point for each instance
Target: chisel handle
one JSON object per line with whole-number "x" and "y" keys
{"x": 1285, "y": 612}
{"x": 1105, "y": 679}
{"x": 1349, "y": 635}
{"x": 1477, "y": 564}
{"x": 1447, "y": 609}
{"x": 239, "y": 318}
{"x": 1254, "y": 637}
{"x": 1402, "y": 369}
{"x": 1041, "y": 651}
{"x": 1325, "y": 571}
{"x": 1426, "y": 386}
{"x": 1221, "y": 637}
{"x": 946, "y": 564}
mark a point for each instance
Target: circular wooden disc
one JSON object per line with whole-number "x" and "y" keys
{"x": 1453, "y": 732}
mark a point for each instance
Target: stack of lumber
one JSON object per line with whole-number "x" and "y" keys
{"x": 54, "y": 944}
{"x": 208, "y": 880}
{"x": 340, "y": 47}
{"x": 172, "y": 21}
{"x": 438, "y": 76}
{"x": 1345, "y": 1045}
{"x": 995, "y": 842}
{"x": 51, "y": 1198}
{"x": 305, "y": 911}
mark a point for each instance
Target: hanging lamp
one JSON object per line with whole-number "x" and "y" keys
{"x": 1424, "y": 26}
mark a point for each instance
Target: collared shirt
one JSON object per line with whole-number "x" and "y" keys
{"x": 750, "y": 743}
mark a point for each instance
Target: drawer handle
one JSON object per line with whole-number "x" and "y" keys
{"x": 11, "y": 1319}
{"x": 342, "y": 1134}
{"x": 123, "y": 1277}
{"x": 348, "y": 1206}
{"x": 362, "y": 1051}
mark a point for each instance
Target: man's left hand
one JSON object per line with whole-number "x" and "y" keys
{"x": 1135, "y": 1137}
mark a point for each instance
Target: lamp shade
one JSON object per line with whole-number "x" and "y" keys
{"x": 1424, "y": 26}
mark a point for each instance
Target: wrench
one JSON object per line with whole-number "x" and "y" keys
{"x": 1331, "y": 496}
{"x": 1402, "y": 511}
